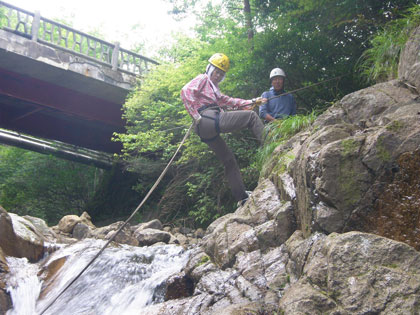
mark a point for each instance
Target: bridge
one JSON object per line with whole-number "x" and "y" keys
{"x": 62, "y": 85}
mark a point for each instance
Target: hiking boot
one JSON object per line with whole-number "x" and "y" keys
{"x": 243, "y": 201}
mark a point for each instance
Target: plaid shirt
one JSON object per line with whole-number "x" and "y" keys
{"x": 201, "y": 91}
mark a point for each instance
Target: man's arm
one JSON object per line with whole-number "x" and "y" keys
{"x": 263, "y": 110}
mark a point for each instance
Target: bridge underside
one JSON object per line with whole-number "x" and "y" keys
{"x": 56, "y": 95}
{"x": 49, "y": 111}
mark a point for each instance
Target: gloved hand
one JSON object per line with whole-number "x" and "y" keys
{"x": 259, "y": 101}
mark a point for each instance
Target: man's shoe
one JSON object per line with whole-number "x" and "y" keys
{"x": 242, "y": 202}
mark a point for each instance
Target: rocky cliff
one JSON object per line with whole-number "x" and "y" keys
{"x": 332, "y": 228}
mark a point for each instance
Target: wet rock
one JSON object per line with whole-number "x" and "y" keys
{"x": 81, "y": 231}
{"x": 179, "y": 286}
{"x": 149, "y": 237}
{"x": 199, "y": 233}
{"x": 87, "y": 220}
{"x": 5, "y": 300}
{"x": 19, "y": 237}
{"x": 48, "y": 274}
{"x": 352, "y": 273}
{"x": 48, "y": 234}
{"x": 154, "y": 224}
{"x": 251, "y": 267}
{"x": 68, "y": 222}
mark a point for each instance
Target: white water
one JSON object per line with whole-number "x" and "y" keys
{"x": 23, "y": 285}
{"x": 121, "y": 281}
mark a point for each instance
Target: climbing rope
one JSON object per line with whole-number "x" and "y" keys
{"x": 126, "y": 221}
{"x": 254, "y": 104}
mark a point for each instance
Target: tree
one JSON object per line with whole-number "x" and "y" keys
{"x": 44, "y": 186}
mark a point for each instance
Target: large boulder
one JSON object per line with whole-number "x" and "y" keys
{"x": 41, "y": 226}
{"x": 263, "y": 222}
{"x": 68, "y": 222}
{"x": 409, "y": 67}
{"x": 147, "y": 237}
{"x": 351, "y": 273}
{"x": 154, "y": 224}
{"x": 19, "y": 237}
{"x": 125, "y": 236}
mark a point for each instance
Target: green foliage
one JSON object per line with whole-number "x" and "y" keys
{"x": 3, "y": 18}
{"x": 278, "y": 131}
{"x": 44, "y": 186}
{"x": 380, "y": 62}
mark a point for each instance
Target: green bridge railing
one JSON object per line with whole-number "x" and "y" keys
{"x": 37, "y": 28}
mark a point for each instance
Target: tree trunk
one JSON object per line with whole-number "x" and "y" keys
{"x": 248, "y": 23}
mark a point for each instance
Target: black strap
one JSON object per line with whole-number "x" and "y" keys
{"x": 210, "y": 106}
{"x": 216, "y": 126}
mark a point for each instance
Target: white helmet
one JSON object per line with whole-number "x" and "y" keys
{"x": 277, "y": 72}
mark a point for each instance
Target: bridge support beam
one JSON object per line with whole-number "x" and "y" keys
{"x": 64, "y": 151}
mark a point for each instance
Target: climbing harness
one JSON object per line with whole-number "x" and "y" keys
{"x": 126, "y": 221}
{"x": 216, "y": 121}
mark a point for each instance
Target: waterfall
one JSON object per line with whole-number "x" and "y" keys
{"x": 23, "y": 285}
{"x": 122, "y": 280}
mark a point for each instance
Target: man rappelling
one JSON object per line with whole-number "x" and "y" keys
{"x": 204, "y": 101}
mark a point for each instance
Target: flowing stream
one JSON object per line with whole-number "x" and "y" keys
{"x": 122, "y": 280}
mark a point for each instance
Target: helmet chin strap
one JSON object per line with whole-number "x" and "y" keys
{"x": 209, "y": 70}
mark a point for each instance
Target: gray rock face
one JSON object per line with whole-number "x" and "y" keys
{"x": 352, "y": 273}
{"x": 409, "y": 67}
{"x": 264, "y": 221}
{"x": 357, "y": 157}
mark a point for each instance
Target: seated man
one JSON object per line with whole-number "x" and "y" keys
{"x": 278, "y": 107}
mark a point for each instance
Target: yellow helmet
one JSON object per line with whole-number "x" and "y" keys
{"x": 220, "y": 61}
